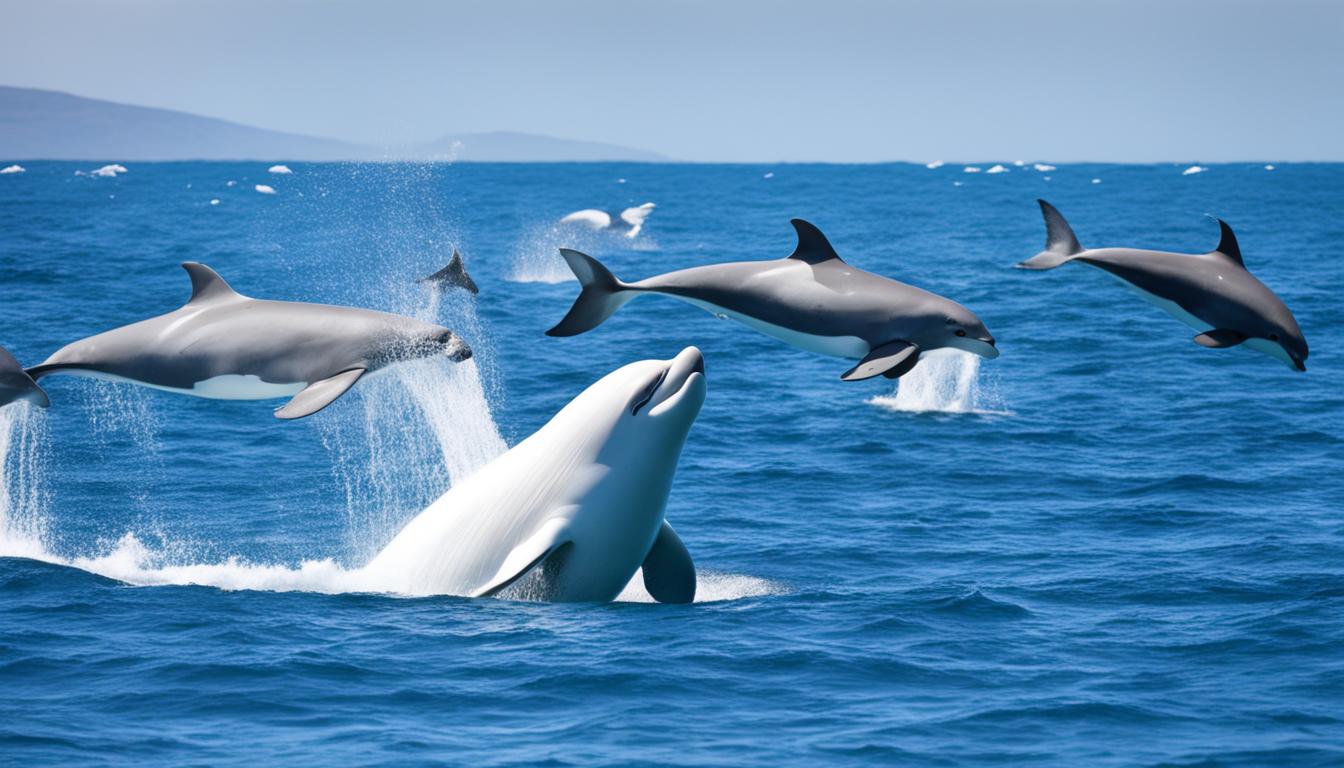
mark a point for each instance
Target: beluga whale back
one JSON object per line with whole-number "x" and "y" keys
{"x": 223, "y": 345}
{"x": 812, "y": 299}
{"x": 1212, "y": 292}
{"x": 570, "y": 513}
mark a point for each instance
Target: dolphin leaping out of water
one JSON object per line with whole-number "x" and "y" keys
{"x": 223, "y": 345}
{"x": 16, "y": 384}
{"x": 632, "y": 218}
{"x": 579, "y": 504}
{"x": 1212, "y": 292}
{"x": 812, "y": 300}
{"x": 452, "y": 276}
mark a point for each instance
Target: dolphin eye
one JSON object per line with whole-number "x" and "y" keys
{"x": 961, "y": 332}
{"x": 647, "y": 394}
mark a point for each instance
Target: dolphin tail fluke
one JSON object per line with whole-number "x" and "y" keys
{"x": 1060, "y": 243}
{"x": 454, "y": 275}
{"x": 602, "y": 295}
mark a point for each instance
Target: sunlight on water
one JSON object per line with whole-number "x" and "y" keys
{"x": 944, "y": 381}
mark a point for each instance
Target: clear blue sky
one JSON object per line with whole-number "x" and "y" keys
{"x": 722, "y": 81}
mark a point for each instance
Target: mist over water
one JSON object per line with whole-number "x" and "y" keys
{"x": 944, "y": 381}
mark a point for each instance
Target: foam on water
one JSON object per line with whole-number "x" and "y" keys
{"x": 944, "y": 381}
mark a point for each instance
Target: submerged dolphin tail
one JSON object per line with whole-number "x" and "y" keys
{"x": 602, "y": 295}
{"x": 1060, "y": 243}
{"x": 453, "y": 276}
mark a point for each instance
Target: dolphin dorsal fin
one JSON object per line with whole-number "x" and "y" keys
{"x": 813, "y": 247}
{"x": 207, "y": 285}
{"x": 1227, "y": 243}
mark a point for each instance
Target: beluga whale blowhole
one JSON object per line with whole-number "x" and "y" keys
{"x": 812, "y": 300}
{"x": 223, "y": 345}
{"x": 572, "y": 512}
{"x": 1212, "y": 292}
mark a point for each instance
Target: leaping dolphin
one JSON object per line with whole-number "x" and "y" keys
{"x": 1211, "y": 292}
{"x": 581, "y": 501}
{"x": 633, "y": 218}
{"x": 812, "y": 300}
{"x": 16, "y": 384}
{"x": 223, "y": 345}
{"x": 452, "y": 276}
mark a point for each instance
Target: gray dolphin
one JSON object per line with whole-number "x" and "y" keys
{"x": 452, "y": 276}
{"x": 1210, "y": 292}
{"x": 223, "y": 345}
{"x": 812, "y": 300}
{"x": 16, "y": 384}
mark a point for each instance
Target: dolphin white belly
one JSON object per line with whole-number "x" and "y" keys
{"x": 226, "y": 387}
{"x": 851, "y": 347}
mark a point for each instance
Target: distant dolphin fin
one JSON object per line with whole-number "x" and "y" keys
{"x": 319, "y": 395}
{"x": 813, "y": 247}
{"x": 1219, "y": 338}
{"x": 1060, "y": 243}
{"x": 1227, "y": 243}
{"x": 454, "y": 275}
{"x": 18, "y": 384}
{"x": 602, "y": 294}
{"x": 893, "y": 359}
{"x": 207, "y": 285}
{"x": 552, "y": 535}
{"x": 635, "y": 218}
{"x": 669, "y": 572}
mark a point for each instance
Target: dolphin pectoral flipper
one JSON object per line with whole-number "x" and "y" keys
{"x": 669, "y": 572}
{"x": 1219, "y": 338}
{"x": 893, "y": 359}
{"x": 552, "y": 535}
{"x": 319, "y": 395}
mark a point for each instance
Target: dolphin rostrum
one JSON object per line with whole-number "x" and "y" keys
{"x": 452, "y": 276}
{"x": 812, "y": 300}
{"x": 580, "y": 503}
{"x": 1212, "y": 293}
{"x": 223, "y": 345}
{"x": 16, "y": 384}
{"x": 631, "y": 218}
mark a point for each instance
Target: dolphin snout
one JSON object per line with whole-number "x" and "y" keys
{"x": 454, "y": 347}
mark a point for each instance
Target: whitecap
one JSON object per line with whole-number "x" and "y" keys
{"x": 13, "y": 169}
{"x": 214, "y": 201}
{"x": 265, "y": 189}
{"x": 1043, "y": 167}
{"x": 1269, "y": 167}
{"x": 1096, "y": 181}
{"x": 1192, "y": 170}
{"x": 997, "y": 169}
{"x": 279, "y": 169}
{"x": 934, "y": 165}
{"x": 769, "y": 175}
{"x": 108, "y": 171}
{"x": 1019, "y": 163}
{"x": 971, "y": 169}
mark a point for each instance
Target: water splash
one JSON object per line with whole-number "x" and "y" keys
{"x": 944, "y": 381}
{"x": 24, "y": 497}
{"x": 537, "y": 255}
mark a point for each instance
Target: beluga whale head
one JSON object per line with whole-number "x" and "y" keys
{"x": 572, "y": 512}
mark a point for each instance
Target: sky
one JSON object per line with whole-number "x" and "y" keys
{"x": 719, "y": 81}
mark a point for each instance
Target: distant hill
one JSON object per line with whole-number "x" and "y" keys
{"x": 48, "y": 125}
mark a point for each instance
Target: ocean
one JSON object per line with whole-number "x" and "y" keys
{"x": 1107, "y": 547}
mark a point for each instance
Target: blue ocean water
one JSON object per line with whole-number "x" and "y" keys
{"x": 1108, "y": 547}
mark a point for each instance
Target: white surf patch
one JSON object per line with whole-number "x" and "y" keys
{"x": 971, "y": 169}
{"x": 1044, "y": 167}
{"x": 279, "y": 169}
{"x": 997, "y": 169}
{"x": 12, "y": 169}
{"x": 935, "y": 165}
{"x": 1269, "y": 167}
{"x": 265, "y": 189}
{"x": 1192, "y": 170}
{"x": 944, "y": 381}
{"x": 108, "y": 171}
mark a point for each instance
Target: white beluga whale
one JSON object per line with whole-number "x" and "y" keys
{"x": 16, "y": 384}
{"x": 223, "y": 345}
{"x": 812, "y": 300}
{"x": 572, "y": 512}
{"x": 1212, "y": 292}
{"x": 630, "y": 219}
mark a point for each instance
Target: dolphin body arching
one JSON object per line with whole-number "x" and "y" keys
{"x": 16, "y": 384}
{"x": 579, "y": 504}
{"x": 1212, "y": 292}
{"x": 812, "y": 300}
{"x": 223, "y": 345}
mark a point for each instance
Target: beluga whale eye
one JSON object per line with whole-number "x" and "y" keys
{"x": 647, "y": 395}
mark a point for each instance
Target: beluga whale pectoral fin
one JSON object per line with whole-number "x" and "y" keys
{"x": 893, "y": 360}
{"x": 813, "y": 247}
{"x": 669, "y": 572}
{"x": 453, "y": 276}
{"x": 1061, "y": 244}
{"x": 551, "y": 536}
{"x": 319, "y": 395}
{"x": 1219, "y": 338}
{"x": 207, "y": 286}
{"x": 1227, "y": 243}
